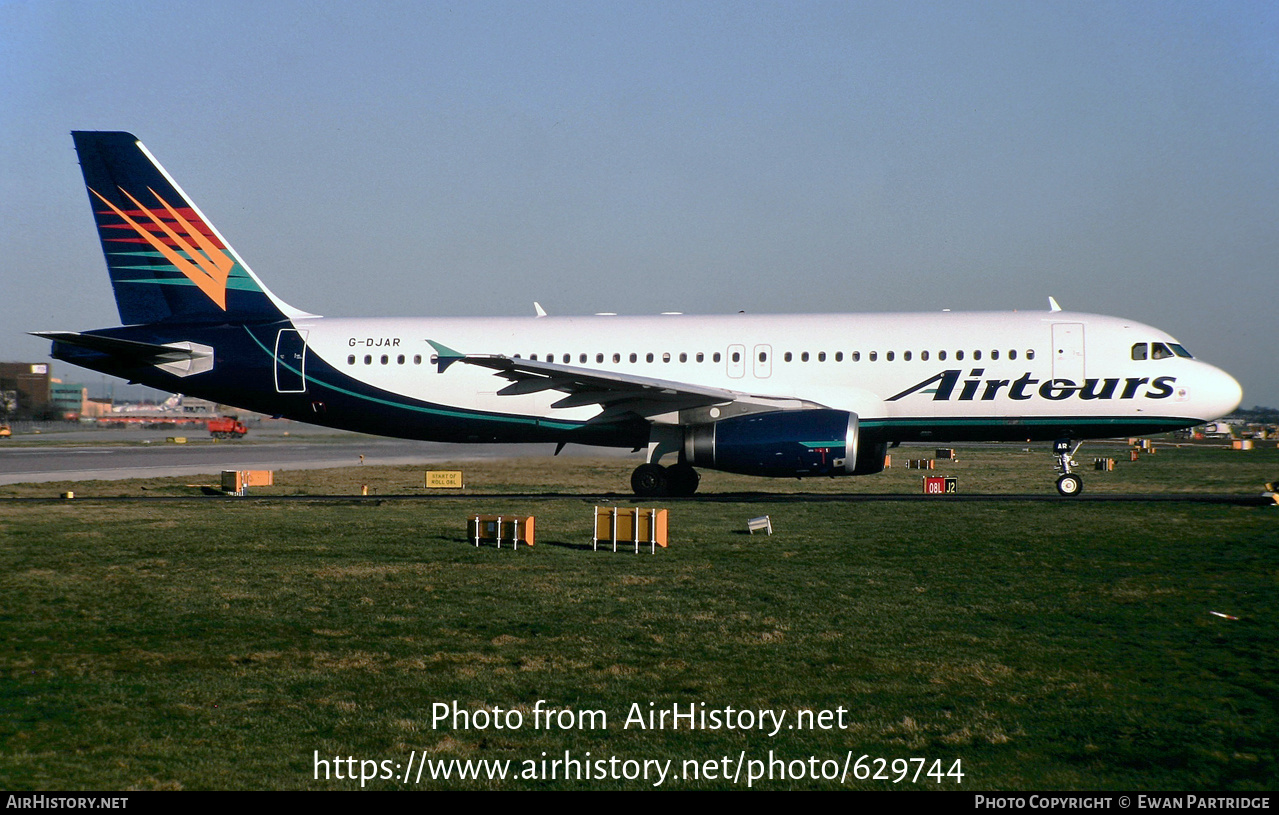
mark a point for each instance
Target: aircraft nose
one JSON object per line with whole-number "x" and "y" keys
{"x": 1224, "y": 394}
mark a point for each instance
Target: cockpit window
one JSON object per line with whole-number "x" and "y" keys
{"x": 1179, "y": 351}
{"x": 1139, "y": 351}
{"x": 1160, "y": 351}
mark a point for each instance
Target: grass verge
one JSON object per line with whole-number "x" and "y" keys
{"x": 1042, "y": 645}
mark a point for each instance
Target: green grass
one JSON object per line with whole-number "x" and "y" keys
{"x": 1044, "y": 645}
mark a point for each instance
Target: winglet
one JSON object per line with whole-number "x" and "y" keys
{"x": 541, "y": 312}
{"x": 444, "y": 356}
{"x": 1052, "y": 304}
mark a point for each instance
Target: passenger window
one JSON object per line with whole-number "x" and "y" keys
{"x": 906, "y": 356}
{"x": 737, "y": 356}
{"x": 599, "y": 358}
{"x": 1012, "y": 354}
{"x": 716, "y": 357}
{"x": 350, "y": 360}
{"x": 839, "y": 356}
{"x": 399, "y": 360}
{"x": 683, "y": 357}
{"x": 994, "y": 355}
{"x": 666, "y": 357}
{"x": 581, "y": 358}
{"x": 617, "y": 357}
{"x": 803, "y": 357}
{"x": 787, "y": 356}
{"x": 959, "y": 355}
{"x": 821, "y": 356}
{"x": 701, "y": 357}
{"x": 385, "y": 359}
{"x": 763, "y": 357}
{"x": 874, "y": 355}
{"x": 923, "y": 355}
{"x": 633, "y": 357}
{"x": 856, "y": 356}
{"x": 889, "y": 356}
{"x": 941, "y": 355}
{"x": 567, "y": 358}
{"x": 648, "y": 357}
{"x": 417, "y": 358}
{"x": 1030, "y": 353}
{"x": 976, "y": 354}
{"x": 368, "y": 359}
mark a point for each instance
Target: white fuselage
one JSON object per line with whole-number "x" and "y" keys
{"x": 983, "y": 365}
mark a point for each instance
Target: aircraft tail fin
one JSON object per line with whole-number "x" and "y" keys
{"x": 165, "y": 258}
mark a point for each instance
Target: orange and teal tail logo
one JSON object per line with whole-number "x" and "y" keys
{"x": 166, "y": 261}
{"x": 181, "y": 238}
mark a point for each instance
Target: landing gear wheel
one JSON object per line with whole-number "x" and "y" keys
{"x": 1070, "y": 485}
{"x": 681, "y": 480}
{"x": 649, "y": 480}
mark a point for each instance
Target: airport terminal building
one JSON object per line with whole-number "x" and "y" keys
{"x": 24, "y": 389}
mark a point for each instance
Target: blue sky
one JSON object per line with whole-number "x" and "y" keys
{"x": 420, "y": 158}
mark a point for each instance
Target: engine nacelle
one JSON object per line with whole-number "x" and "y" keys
{"x": 784, "y": 443}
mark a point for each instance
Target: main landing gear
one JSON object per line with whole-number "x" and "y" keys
{"x": 1069, "y": 484}
{"x": 654, "y": 481}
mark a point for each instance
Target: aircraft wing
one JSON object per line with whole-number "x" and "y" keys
{"x": 617, "y": 393}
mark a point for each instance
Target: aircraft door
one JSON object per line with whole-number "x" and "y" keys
{"x": 290, "y": 361}
{"x": 736, "y": 361}
{"x": 1068, "y": 351}
{"x": 763, "y": 361}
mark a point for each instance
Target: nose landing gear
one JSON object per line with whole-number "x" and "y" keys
{"x": 1068, "y": 484}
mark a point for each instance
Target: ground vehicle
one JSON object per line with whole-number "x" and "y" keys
{"x": 227, "y": 429}
{"x": 5, "y": 431}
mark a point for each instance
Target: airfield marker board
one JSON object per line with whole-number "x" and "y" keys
{"x": 515, "y": 529}
{"x": 444, "y": 480}
{"x": 630, "y": 524}
{"x": 940, "y": 485}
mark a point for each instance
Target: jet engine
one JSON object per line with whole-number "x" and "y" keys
{"x": 784, "y": 443}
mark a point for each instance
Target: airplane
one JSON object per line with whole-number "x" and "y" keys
{"x": 804, "y": 395}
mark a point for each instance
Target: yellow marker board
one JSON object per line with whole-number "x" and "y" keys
{"x": 444, "y": 479}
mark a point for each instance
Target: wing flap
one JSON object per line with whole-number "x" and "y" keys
{"x": 522, "y": 387}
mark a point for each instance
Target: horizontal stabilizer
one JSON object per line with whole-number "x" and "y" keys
{"x": 180, "y": 358}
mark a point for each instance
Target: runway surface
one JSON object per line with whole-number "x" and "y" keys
{"x": 105, "y": 455}
{"x": 120, "y": 453}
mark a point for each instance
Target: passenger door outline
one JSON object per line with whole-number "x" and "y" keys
{"x": 290, "y": 361}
